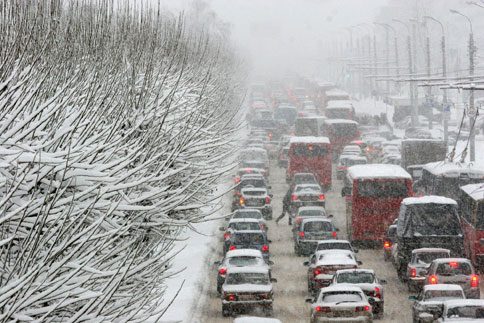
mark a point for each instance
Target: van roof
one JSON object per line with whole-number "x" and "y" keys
{"x": 428, "y": 199}
{"x": 454, "y": 169}
{"x": 309, "y": 140}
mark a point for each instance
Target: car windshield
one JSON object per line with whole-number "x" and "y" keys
{"x": 453, "y": 268}
{"x": 243, "y": 261}
{"x": 312, "y": 213}
{"x": 253, "y": 182}
{"x": 341, "y": 296}
{"x": 306, "y": 178}
{"x": 247, "y": 278}
{"x": 238, "y": 226}
{"x": 317, "y": 226}
{"x": 356, "y": 278}
{"x": 334, "y": 245}
{"x": 435, "y": 219}
{"x": 247, "y": 215}
{"x": 248, "y": 238}
{"x": 427, "y": 258}
{"x": 467, "y": 311}
{"x": 442, "y": 295}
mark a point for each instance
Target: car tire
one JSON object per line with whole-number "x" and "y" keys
{"x": 269, "y": 312}
{"x": 226, "y": 311}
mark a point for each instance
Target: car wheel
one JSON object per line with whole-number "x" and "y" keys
{"x": 226, "y": 311}
{"x": 269, "y": 311}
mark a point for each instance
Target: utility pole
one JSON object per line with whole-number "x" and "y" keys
{"x": 387, "y": 63}
{"x": 471, "y": 110}
{"x": 444, "y": 74}
{"x": 410, "y": 72}
{"x": 429, "y": 88}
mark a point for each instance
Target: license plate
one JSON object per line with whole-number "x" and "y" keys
{"x": 344, "y": 313}
{"x": 246, "y": 297}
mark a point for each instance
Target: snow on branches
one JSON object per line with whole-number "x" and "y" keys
{"x": 114, "y": 125}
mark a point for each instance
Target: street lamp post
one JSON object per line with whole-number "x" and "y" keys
{"x": 387, "y": 41}
{"x": 472, "y": 135}
{"x": 410, "y": 71}
{"x": 444, "y": 74}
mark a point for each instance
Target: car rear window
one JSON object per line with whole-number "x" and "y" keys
{"x": 334, "y": 245}
{"x": 442, "y": 295}
{"x": 356, "y": 278}
{"x": 317, "y": 226}
{"x": 249, "y": 238}
{"x": 247, "y": 278}
{"x": 342, "y": 296}
{"x": 312, "y": 213}
{"x": 454, "y": 268}
{"x": 248, "y": 215}
{"x": 239, "y": 226}
{"x": 427, "y": 258}
{"x": 243, "y": 261}
{"x": 254, "y": 193}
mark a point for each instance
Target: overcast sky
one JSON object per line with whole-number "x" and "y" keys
{"x": 280, "y": 34}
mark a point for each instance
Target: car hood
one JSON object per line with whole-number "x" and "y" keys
{"x": 247, "y": 288}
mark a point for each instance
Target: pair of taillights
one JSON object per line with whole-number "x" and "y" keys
{"x": 474, "y": 280}
{"x": 264, "y": 248}
{"x": 302, "y": 234}
{"x": 233, "y": 297}
{"x": 341, "y": 167}
{"x": 321, "y": 197}
{"x": 242, "y": 200}
{"x": 319, "y": 270}
{"x": 327, "y": 309}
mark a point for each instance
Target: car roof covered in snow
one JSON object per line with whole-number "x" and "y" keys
{"x": 254, "y": 189}
{"x": 247, "y": 210}
{"x": 476, "y": 191}
{"x": 428, "y": 250}
{"x": 464, "y": 302}
{"x": 442, "y": 287}
{"x": 333, "y": 241}
{"x": 315, "y": 219}
{"x": 311, "y": 208}
{"x": 309, "y": 140}
{"x": 449, "y": 169}
{"x": 357, "y": 157}
{"x": 248, "y": 269}
{"x": 342, "y": 288}
{"x": 428, "y": 199}
{"x": 243, "y": 220}
{"x": 377, "y": 171}
{"x": 342, "y": 271}
{"x": 243, "y": 253}
{"x": 340, "y": 121}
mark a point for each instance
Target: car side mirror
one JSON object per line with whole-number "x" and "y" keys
{"x": 359, "y": 262}
{"x": 412, "y": 298}
{"x": 216, "y": 263}
{"x": 306, "y": 263}
{"x": 226, "y": 219}
{"x": 221, "y": 229}
{"x": 273, "y": 280}
{"x": 336, "y": 229}
{"x": 355, "y": 250}
{"x": 309, "y": 300}
{"x": 269, "y": 187}
{"x": 271, "y": 195}
{"x": 371, "y": 300}
{"x": 270, "y": 262}
{"x": 269, "y": 241}
{"x": 383, "y": 281}
{"x": 330, "y": 216}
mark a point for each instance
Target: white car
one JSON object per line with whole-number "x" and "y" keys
{"x": 466, "y": 310}
{"x": 341, "y": 304}
{"x": 245, "y": 288}
{"x": 430, "y": 300}
{"x": 368, "y": 282}
{"x": 254, "y": 319}
{"x": 239, "y": 258}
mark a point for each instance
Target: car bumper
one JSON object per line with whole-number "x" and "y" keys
{"x": 249, "y": 303}
{"x": 320, "y": 319}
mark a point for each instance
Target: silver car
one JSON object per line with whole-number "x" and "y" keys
{"x": 428, "y": 304}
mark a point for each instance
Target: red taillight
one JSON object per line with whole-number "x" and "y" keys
{"x": 324, "y": 309}
{"x": 298, "y": 220}
{"x": 233, "y": 247}
{"x": 377, "y": 293}
{"x": 262, "y": 226}
{"x": 386, "y": 244}
{"x": 292, "y": 133}
{"x": 301, "y": 234}
{"x": 270, "y": 134}
{"x": 346, "y": 168}
{"x": 453, "y": 264}
{"x": 241, "y": 200}
{"x": 413, "y": 272}
{"x": 265, "y": 248}
{"x": 475, "y": 281}
{"x": 223, "y": 271}
{"x": 321, "y": 197}
{"x": 362, "y": 308}
{"x": 294, "y": 197}
{"x": 266, "y": 166}
{"x": 348, "y": 198}
{"x": 237, "y": 180}
{"x": 281, "y": 156}
{"x": 325, "y": 181}
{"x": 433, "y": 280}
{"x": 317, "y": 271}
{"x": 237, "y": 193}
{"x": 334, "y": 234}
{"x": 340, "y": 167}
{"x": 420, "y": 195}
{"x": 231, "y": 297}
{"x": 227, "y": 236}
{"x": 268, "y": 200}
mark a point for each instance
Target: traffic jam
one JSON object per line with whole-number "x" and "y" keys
{"x": 402, "y": 200}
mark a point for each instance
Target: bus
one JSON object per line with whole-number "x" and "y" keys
{"x": 421, "y": 152}
{"x": 335, "y": 95}
{"x": 309, "y": 126}
{"x": 310, "y": 155}
{"x": 340, "y": 132}
{"x": 373, "y": 195}
{"x": 471, "y": 209}
{"x": 340, "y": 110}
{"x": 445, "y": 178}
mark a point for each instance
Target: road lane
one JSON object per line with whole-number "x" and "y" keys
{"x": 290, "y": 291}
